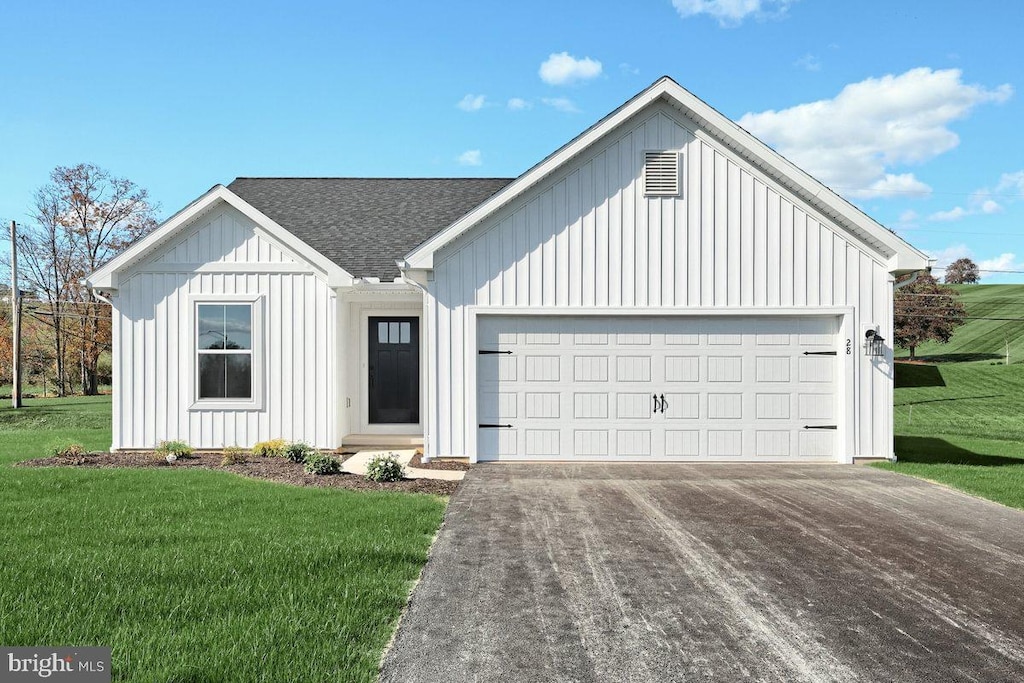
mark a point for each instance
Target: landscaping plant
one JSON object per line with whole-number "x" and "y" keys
{"x": 274, "y": 448}
{"x": 179, "y": 449}
{"x": 385, "y": 468}
{"x": 232, "y": 455}
{"x": 65, "y": 449}
{"x": 299, "y": 451}
{"x": 318, "y": 463}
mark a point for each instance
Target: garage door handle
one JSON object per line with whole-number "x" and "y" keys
{"x": 820, "y": 353}
{"x": 491, "y": 352}
{"x": 495, "y": 426}
{"x": 659, "y": 403}
{"x": 664, "y": 404}
{"x": 820, "y": 427}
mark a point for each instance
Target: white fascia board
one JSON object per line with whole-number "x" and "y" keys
{"x": 792, "y": 177}
{"x": 106, "y": 276}
{"x": 739, "y": 140}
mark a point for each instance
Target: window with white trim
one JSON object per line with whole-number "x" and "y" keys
{"x": 224, "y": 351}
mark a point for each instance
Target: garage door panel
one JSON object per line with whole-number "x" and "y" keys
{"x": 590, "y": 406}
{"x": 725, "y": 368}
{"x": 658, "y": 388}
{"x": 682, "y": 368}
{"x": 682, "y": 406}
{"x": 633, "y": 369}
{"x": 634, "y": 443}
{"x": 590, "y": 368}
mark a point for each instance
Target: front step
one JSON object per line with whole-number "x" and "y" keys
{"x": 382, "y": 440}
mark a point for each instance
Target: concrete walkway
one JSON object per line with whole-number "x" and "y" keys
{"x": 358, "y": 462}
{"x": 715, "y": 572}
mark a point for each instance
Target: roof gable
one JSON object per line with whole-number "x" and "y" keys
{"x": 106, "y": 277}
{"x": 900, "y": 256}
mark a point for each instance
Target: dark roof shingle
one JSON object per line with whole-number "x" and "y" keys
{"x": 365, "y": 224}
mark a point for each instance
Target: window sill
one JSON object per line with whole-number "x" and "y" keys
{"x": 208, "y": 404}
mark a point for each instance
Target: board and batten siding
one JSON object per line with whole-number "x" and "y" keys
{"x": 223, "y": 253}
{"x": 587, "y": 237}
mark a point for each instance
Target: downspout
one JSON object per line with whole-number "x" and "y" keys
{"x": 427, "y": 341}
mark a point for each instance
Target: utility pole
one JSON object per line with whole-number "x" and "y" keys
{"x": 15, "y": 321}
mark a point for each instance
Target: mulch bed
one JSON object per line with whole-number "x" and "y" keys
{"x": 279, "y": 470}
{"x": 417, "y": 462}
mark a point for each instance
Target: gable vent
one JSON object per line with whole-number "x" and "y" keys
{"x": 661, "y": 174}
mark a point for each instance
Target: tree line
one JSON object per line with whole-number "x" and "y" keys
{"x": 80, "y": 219}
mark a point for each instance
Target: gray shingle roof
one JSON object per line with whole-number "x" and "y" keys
{"x": 365, "y": 224}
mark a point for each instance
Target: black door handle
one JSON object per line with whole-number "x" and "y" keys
{"x": 664, "y": 404}
{"x": 655, "y": 397}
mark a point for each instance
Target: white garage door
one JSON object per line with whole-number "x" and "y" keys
{"x": 669, "y": 388}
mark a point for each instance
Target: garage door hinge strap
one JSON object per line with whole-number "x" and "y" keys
{"x": 495, "y": 426}
{"x": 488, "y": 352}
{"x": 820, "y": 353}
{"x": 820, "y": 427}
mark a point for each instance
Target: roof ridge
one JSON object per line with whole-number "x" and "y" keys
{"x": 375, "y": 178}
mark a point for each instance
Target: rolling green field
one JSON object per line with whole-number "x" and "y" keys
{"x": 960, "y": 421}
{"x": 194, "y": 575}
{"x": 983, "y": 340}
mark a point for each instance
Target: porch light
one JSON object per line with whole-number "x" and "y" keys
{"x": 874, "y": 344}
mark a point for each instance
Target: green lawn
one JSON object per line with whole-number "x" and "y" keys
{"x": 960, "y": 422}
{"x": 195, "y": 575}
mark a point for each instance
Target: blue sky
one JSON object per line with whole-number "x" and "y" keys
{"x": 912, "y": 109}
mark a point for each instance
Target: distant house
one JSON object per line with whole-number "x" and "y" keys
{"x": 663, "y": 287}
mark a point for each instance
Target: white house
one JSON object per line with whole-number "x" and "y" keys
{"x": 663, "y": 287}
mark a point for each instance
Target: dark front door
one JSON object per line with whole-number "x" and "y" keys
{"x": 394, "y": 372}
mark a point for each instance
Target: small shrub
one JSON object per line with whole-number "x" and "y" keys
{"x": 298, "y": 451}
{"x": 65, "y": 449}
{"x": 232, "y": 455}
{"x": 385, "y": 468}
{"x": 318, "y": 463}
{"x": 270, "y": 449}
{"x": 179, "y": 449}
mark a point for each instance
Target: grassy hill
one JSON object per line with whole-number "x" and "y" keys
{"x": 960, "y": 420}
{"x": 983, "y": 340}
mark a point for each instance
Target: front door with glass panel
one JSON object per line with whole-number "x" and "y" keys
{"x": 394, "y": 371}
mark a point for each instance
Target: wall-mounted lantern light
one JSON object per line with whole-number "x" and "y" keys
{"x": 874, "y": 343}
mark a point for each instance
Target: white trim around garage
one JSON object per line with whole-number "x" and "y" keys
{"x": 847, "y": 349}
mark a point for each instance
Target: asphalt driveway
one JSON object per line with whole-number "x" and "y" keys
{"x": 715, "y": 572}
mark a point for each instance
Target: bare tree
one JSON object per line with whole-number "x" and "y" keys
{"x": 85, "y": 216}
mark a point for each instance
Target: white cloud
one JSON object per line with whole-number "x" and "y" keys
{"x": 563, "y": 104}
{"x": 852, "y": 141}
{"x": 1006, "y": 261}
{"x": 908, "y": 216}
{"x": 562, "y": 69}
{"x": 731, "y": 12}
{"x": 472, "y": 102}
{"x": 518, "y": 104}
{"x": 1011, "y": 183}
{"x": 471, "y": 157}
{"x": 808, "y": 62}
{"x": 988, "y": 267}
{"x": 954, "y": 214}
{"x": 989, "y": 206}
{"x": 903, "y": 184}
